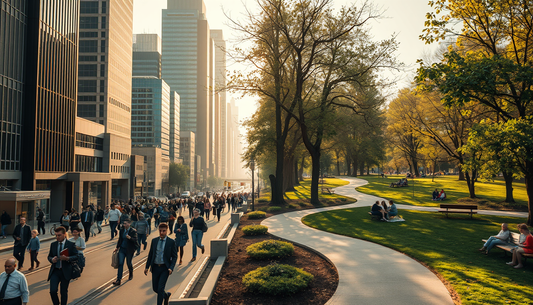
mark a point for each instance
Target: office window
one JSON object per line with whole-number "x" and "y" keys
{"x": 88, "y": 46}
{"x": 88, "y": 22}
{"x": 102, "y": 70}
{"x": 102, "y": 48}
{"x": 104, "y": 7}
{"x": 87, "y": 70}
{"x": 87, "y": 85}
{"x": 90, "y": 98}
{"x": 88, "y": 7}
{"x": 88, "y": 34}
{"x": 86, "y": 111}
{"x": 88, "y": 58}
{"x": 104, "y": 22}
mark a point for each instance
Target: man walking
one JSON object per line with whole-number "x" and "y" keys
{"x": 114, "y": 216}
{"x": 40, "y": 220}
{"x": 22, "y": 236}
{"x": 62, "y": 254}
{"x": 99, "y": 219}
{"x": 127, "y": 245}
{"x": 14, "y": 289}
{"x": 161, "y": 260}
{"x": 87, "y": 220}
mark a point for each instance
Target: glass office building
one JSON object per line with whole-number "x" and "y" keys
{"x": 147, "y": 55}
{"x": 174, "y": 126}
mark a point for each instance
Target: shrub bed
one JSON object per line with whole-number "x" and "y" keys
{"x": 277, "y": 280}
{"x": 270, "y": 249}
{"x": 273, "y": 209}
{"x": 253, "y": 230}
{"x": 256, "y": 215}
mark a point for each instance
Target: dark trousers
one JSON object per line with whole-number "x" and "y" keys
{"x": 219, "y": 211}
{"x": 15, "y": 301}
{"x": 59, "y": 278}
{"x": 142, "y": 241}
{"x": 33, "y": 257}
{"x": 159, "y": 281}
{"x": 207, "y": 212}
{"x": 18, "y": 253}
{"x": 113, "y": 225}
{"x": 87, "y": 229}
{"x": 191, "y": 212}
{"x": 40, "y": 225}
{"x": 171, "y": 227}
{"x": 123, "y": 255}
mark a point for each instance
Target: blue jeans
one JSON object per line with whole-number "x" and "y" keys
{"x": 196, "y": 241}
{"x": 99, "y": 226}
{"x": 142, "y": 241}
{"x": 113, "y": 225}
{"x": 493, "y": 241}
{"x": 4, "y": 230}
{"x": 123, "y": 255}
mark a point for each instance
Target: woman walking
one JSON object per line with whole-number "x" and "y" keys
{"x": 79, "y": 242}
{"x": 33, "y": 247}
{"x": 182, "y": 236}
{"x": 74, "y": 219}
{"x": 198, "y": 224}
{"x": 207, "y": 208}
{"x": 143, "y": 230}
{"x": 171, "y": 221}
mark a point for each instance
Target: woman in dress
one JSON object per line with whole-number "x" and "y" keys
{"x": 182, "y": 236}
{"x": 80, "y": 245}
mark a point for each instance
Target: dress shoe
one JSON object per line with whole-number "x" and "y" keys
{"x": 116, "y": 283}
{"x": 203, "y": 249}
{"x": 31, "y": 268}
{"x": 167, "y": 297}
{"x": 131, "y": 276}
{"x": 37, "y": 265}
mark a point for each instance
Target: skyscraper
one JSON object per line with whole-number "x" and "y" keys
{"x": 174, "y": 141}
{"x": 147, "y": 55}
{"x": 186, "y": 64}
{"x": 220, "y": 107}
{"x": 105, "y": 76}
{"x": 187, "y": 139}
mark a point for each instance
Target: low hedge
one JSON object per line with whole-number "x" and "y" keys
{"x": 273, "y": 209}
{"x": 252, "y": 230}
{"x": 256, "y": 215}
{"x": 270, "y": 249}
{"x": 277, "y": 280}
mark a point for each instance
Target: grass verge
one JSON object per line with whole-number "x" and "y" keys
{"x": 447, "y": 246}
{"x": 491, "y": 194}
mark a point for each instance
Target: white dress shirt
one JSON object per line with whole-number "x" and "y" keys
{"x": 17, "y": 286}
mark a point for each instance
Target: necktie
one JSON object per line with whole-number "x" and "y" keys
{"x": 4, "y": 287}
{"x": 86, "y": 215}
{"x": 58, "y": 264}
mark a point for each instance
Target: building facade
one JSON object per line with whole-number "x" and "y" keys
{"x": 156, "y": 167}
{"x": 147, "y": 55}
{"x": 187, "y": 155}
{"x": 105, "y": 72}
{"x": 174, "y": 140}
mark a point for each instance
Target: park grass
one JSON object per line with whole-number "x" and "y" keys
{"x": 491, "y": 194}
{"x": 448, "y": 246}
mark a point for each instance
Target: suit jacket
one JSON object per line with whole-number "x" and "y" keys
{"x": 133, "y": 242}
{"x": 170, "y": 254}
{"x": 17, "y": 233}
{"x": 90, "y": 217}
{"x": 66, "y": 265}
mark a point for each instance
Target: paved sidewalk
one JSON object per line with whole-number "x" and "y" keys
{"x": 368, "y": 273}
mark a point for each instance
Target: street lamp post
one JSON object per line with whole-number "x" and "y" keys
{"x": 252, "y": 167}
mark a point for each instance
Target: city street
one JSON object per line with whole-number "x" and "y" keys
{"x": 95, "y": 283}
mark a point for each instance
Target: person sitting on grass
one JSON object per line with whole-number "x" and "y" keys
{"x": 435, "y": 195}
{"x": 500, "y": 239}
{"x": 527, "y": 247}
{"x": 393, "y": 210}
{"x": 378, "y": 210}
{"x": 442, "y": 195}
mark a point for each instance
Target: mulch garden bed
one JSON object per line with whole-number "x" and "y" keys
{"x": 230, "y": 290}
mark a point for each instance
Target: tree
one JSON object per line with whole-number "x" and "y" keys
{"x": 490, "y": 64}
{"x": 178, "y": 175}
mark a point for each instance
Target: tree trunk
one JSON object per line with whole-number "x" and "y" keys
{"x": 471, "y": 184}
{"x": 461, "y": 175}
{"x": 415, "y": 167}
{"x": 288, "y": 168}
{"x": 315, "y": 158}
{"x": 529, "y": 190}
{"x": 301, "y": 170}
{"x": 338, "y": 167}
{"x": 296, "y": 182}
{"x": 362, "y": 168}
{"x": 509, "y": 198}
{"x": 273, "y": 185}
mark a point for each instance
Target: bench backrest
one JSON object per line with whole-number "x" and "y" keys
{"x": 458, "y": 206}
{"x": 515, "y": 238}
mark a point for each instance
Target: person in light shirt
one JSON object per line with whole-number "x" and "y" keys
{"x": 13, "y": 285}
{"x": 114, "y": 217}
{"x": 500, "y": 239}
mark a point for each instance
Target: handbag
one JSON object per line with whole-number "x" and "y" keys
{"x": 204, "y": 228}
{"x": 114, "y": 260}
{"x": 80, "y": 226}
{"x": 76, "y": 271}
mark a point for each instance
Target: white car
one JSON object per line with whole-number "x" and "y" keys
{"x": 201, "y": 194}
{"x": 186, "y": 194}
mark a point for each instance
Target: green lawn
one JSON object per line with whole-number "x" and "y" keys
{"x": 303, "y": 191}
{"x": 491, "y": 194}
{"x": 448, "y": 246}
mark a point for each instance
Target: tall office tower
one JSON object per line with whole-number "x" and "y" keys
{"x": 234, "y": 138}
{"x": 174, "y": 141}
{"x": 185, "y": 61}
{"x": 187, "y": 139}
{"x": 105, "y": 76}
{"x": 147, "y": 55}
{"x": 218, "y": 137}
{"x": 38, "y": 73}
{"x": 211, "y": 93}
{"x": 150, "y": 117}
{"x": 220, "y": 88}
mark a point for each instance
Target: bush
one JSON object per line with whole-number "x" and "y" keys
{"x": 274, "y": 209}
{"x": 256, "y": 215}
{"x": 292, "y": 206}
{"x": 344, "y": 199}
{"x": 270, "y": 249}
{"x": 302, "y": 204}
{"x": 277, "y": 280}
{"x": 254, "y": 230}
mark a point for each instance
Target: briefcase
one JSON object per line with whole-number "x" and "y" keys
{"x": 114, "y": 260}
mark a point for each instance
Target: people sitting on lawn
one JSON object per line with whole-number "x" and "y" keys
{"x": 442, "y": 195}
{"x": 392, "y": 211}
{"x": 500, "y": 239}
{"x": 379, "y": 211}
{"x": 435, "y": 195}
{"x": 526, "y": 247}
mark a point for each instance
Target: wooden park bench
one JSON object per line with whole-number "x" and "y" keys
{"x": 511, "y": 245}
{"x": 458, "y": 208}
{"x": 328, "y": 190}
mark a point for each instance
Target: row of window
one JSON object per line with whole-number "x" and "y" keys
{"x": 89, "y": 164}
{"x": 112, "y": 101}
{"x": 87, "y": 141}
{"x": 119, "y": 156}
{"x": 120, "y": 169}
{"x": 91, "y": 7}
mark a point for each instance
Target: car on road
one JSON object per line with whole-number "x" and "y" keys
{"x": 200, "y": 194}
{"x": 186, "y": 194}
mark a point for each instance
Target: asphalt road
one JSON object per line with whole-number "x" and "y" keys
{"x": 94, "y": 286}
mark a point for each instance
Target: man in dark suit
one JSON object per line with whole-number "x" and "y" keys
{"x": 61, "y": 267}
{"x": 40, "y": 221}
{"x": 127, "y": 245}
{"x": 22, "y": 236}
{"x": 162, "y": 260}
{"x": 87, "y": 220}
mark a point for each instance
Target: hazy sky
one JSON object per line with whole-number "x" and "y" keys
{"x": 403, "y": 18}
